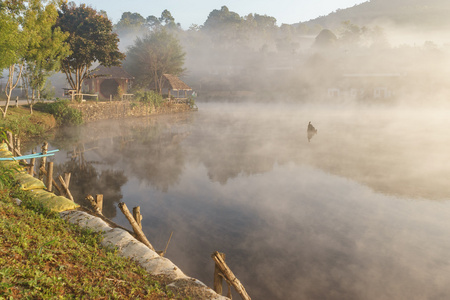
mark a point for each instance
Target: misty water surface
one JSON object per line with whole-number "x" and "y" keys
{"x": 360, "y": 212}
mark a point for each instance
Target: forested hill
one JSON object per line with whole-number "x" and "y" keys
{"x": 418, "y": 14}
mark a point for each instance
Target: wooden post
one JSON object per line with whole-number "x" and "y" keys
{"x": 139, "y": 233}
{"x": 17, "y": 144}
{"x": 229, "y": 276}
{"x": 67, "y": 179}
{"x": 43, "y": 161}
{"x": 97, "y": 203}
{"x": 137, "y": 215}
{"x": 65, "y": 187}
{"x": 11, "y": 141}
{"x": 218, "y": 288}
{"x": 49, "y": 176}
{"x": 53, "y": 182}
{"x": 32, "y": 163}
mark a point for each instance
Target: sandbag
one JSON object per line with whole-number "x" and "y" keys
{"x": 28, "y": 182}
{"x": 53, "y": 202}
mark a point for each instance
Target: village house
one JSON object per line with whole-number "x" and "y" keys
{"x": 108, "y": 82}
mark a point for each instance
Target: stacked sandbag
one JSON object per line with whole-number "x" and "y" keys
{"x": 34, "y": 185}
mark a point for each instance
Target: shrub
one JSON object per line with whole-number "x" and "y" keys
{"x": 149, "y": 97}
{"x": 63, "y": 113}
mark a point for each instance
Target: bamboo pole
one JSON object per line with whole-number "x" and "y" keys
{"x": 49, "y": 176}
{"x": 137, "y": 216}
{"x": 32, "y": 163}
{"x": 218, "y": 287}
{"x": 97, "y": 203}
{"x": 229, "y": 276}
{"x": 139, "y": 233}
{"x": 43, "y": 160}
{"x": 65, "y": 187}
{"x": 10, "y": 141}
{"x": 67, "y": 179}
{"x": 53, "y": 182}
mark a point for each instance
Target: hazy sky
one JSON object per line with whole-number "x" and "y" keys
{"x": 189, "y": 12}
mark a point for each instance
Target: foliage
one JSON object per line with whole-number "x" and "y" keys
{"x": 151, "y": 57}
{"x": 49, "y": 45}
{"x": 62, "y": 111}
{"x": 91, "y": 40}
{"x": 149, "y": 97}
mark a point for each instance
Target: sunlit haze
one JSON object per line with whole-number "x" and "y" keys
{"x": 196, "y": 12}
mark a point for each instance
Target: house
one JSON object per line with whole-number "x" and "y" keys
{"x": 175, "y": 87}
{"x": 366, "y": 86}
{"x": 107, "y": 82}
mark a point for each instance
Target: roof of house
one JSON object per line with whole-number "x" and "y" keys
{"x": 111, "y": 72}
{"x": 175, "y": 83}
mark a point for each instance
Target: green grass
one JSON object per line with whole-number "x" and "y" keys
{"x": 20, "y": 121}
{"x": 43, "y": 257}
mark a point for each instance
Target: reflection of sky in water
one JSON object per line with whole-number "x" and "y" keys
{"x": 313, "y": 236}
{"x": 342, "y": 217}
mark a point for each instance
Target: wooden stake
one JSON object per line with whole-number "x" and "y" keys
{"x": 11, "y": 141}
{"x": 65, "y": 187}
{"x": 49, "y": 176}
{"x": 137, "y": 216}
{"x": 97, "y": 203}
{"x": 229, "y": 276}
{"x": 67, "y": 179}
{"x": 218, "y": 288}
{"x": 17, "y": 145}
{"x": 53, "y": 182}
{"x": 32, "y": 163}
{"x": 138, "y": 231}
{"x": 43, "y": 161}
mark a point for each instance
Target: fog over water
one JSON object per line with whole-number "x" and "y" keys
{"x": 359, "y": 212}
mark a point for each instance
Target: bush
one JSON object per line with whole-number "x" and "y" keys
{"x": 63, "y": 113}
{"x": 149, "y": 97}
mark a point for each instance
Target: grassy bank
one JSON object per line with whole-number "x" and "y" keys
{"x": 43, "y": 257}
{"x": 20, "y": 121}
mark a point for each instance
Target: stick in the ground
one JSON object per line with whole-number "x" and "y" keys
{"x": 138, "y": 231}
{"x": 229, "y": 276}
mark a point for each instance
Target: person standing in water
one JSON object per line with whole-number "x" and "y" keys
{"x": 311, "y": 131}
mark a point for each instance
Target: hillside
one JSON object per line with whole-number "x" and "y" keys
{"x": 415, "y": 14}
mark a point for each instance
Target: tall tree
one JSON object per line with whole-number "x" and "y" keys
{"x": 14, "y": 40}
{"x": 152, "y": 56}
{"x": 48, "y": 46}
{"x": 91, "y": 40}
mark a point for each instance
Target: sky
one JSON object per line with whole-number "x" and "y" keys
{"x": 188, "y": 12}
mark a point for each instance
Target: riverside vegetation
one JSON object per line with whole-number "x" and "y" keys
{"x": 43, "y": 257}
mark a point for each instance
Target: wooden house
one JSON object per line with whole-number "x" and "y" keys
{"x": 106, "y": 81}
{"x": 174, "y": 87}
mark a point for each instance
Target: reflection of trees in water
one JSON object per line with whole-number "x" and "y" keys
{"x": 87, "y": 179}
{"x": 155, "y": 158}
{"x": 241, "y": 148}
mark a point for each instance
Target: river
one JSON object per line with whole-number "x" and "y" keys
{"x": 360, "y": 211}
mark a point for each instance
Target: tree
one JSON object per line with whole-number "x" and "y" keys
{"x": 152, "y": 56}
{"x": 48, "y": 46}
{"x": 91, "y": 40}
{"x": 14, "y": 40}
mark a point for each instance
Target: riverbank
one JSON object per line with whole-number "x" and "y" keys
{"x": 95, "y": 111}
{"x": 42, "y": 256}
